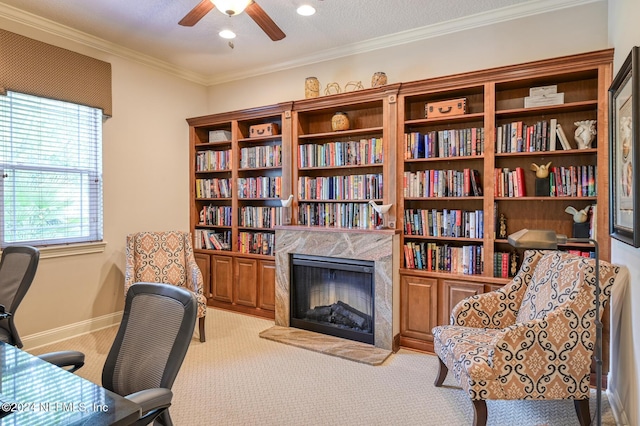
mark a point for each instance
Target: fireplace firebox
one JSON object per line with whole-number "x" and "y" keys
{"x": 333, "y": 296}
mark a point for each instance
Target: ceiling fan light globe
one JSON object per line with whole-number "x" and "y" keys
{"x": 231, "y": 7}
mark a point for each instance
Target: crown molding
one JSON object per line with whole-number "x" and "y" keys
{"x": 518, "y": 11}
{"x": 68, "y": 33}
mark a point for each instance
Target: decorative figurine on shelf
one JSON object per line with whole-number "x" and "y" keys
{"x": 382, "y": 210}
{"x": 340, "y": 121}
{"x": 502, "y": 230}
{"x": 311, "y": 87}
{"x": 581, "y": 223}
{"x": 286, "y": 210}
{"x": 543, "y": 188}
{"x": 378, "y": 79}
{"x": 332, "y": 89}
{"x": 585, "y": 133}
{"x": 514, "y": 264}
{"x": 352, "y": 86}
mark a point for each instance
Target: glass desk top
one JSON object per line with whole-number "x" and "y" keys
{"x": 34, "y": 392}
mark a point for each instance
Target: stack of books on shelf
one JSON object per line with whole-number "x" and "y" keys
{"x": 350, "y": 187}
{"x": 573, "y": 181}
{"x": 256, "y": 243}
{"x": 215, "y": 215}
{"x": 444, "y": 223}
{"x": 502, "y": 264}
{"x": 509, "y": 183}
{"x": 260, "y": 217}
{"x": 260, "y": 187}
{"x": 442, "y": 183}
{"x": 212, "y": 240}
{"x": 543, "y": 96}
{"x": 260, "y": 156}
{"x": 213, "y": 160}
{"x": 213, "y": 188}
{"x": 543, "y": 135}
{"x": 466, "y": 260}
{"x": 337, "y": 154}
{"x": 339, "y": 215}
{"x": 444, "y": 143}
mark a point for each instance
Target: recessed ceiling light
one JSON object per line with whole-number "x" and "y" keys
{"x": 227, "y": 34}
{"x": 306, "y": 10}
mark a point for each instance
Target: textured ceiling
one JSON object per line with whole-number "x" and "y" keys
{"x": 150, "y": 30}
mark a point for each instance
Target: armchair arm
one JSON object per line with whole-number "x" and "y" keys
{"x": 499, "y": 308}
{"x": 151, "y": 399}
{"x": 64, "y": 359}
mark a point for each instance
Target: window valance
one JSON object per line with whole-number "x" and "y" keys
{"x": 36, "y": 68}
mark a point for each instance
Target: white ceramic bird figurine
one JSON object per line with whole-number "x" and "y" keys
{"x": 579, "y": 216}
{"x": 287, "y": 202}
{"x": 380, "y": 208}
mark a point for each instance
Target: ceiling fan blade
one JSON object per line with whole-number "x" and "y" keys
{"x": 197, "y": 13}
{"x": 264, "y": 21}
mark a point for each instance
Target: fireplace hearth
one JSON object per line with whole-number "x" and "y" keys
{"x": 333, "y": 296}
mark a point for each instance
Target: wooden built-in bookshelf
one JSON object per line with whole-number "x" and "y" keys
{"x": 332, "y": 185}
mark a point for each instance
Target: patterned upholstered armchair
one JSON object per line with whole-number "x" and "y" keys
{"x": 532, "y": 339}
{"x": 165, "y": 257}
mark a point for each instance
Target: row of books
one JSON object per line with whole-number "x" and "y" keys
{"x": 350, "y": 187}
{"x": 444, "y": 258}
{"x": 444, "y": 143}
{"x": 504, "y": 264}
{"x": 444, "y": 223}
{"x": 213, "y": 188}
{"x": 253, "y": 157}
{"x": 256, "y": 243}
{"x": 442, "y": 183}
{"x": 543, "y": 135}
{"x": 260, "y": 217}
{"x": 510, "y": 183}
{"x": 573, "y": 181}
{"x": 336, "y": 154}
{"x": 212, "y": 240}
{"x": 213, "y": 160}
{"x": 339, "y": 215}
{"x": 260, "y": 187}
{"x": 216, "y": 215}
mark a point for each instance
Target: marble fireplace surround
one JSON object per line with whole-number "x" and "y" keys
{"x": 379, "y": 246}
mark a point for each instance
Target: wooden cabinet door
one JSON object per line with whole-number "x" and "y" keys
{"x": 418, "y": 307}
{"x": 267, "y": 285}
{"x": 455, "y": 291}
{"x": 245, "y": 282}
{"x": 204, "y": 263}
{"x": 222, "y": 278}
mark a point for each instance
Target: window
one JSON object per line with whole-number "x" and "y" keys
{"x": 51, "y": 171}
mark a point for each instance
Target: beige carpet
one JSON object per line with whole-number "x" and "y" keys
{"x": 237, "y": 378}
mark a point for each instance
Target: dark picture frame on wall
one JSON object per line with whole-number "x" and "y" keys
{"x": 624, "y": 152}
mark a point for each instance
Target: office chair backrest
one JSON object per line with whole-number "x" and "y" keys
{"x": 153, "y": 338}
{"x": 17, "y": 268}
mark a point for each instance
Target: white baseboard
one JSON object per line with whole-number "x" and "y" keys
{"x": 55, "y": 335}
{"x": 617, "y": 408}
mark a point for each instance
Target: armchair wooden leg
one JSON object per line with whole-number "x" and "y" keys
{"x": 201, "y": 326}
{"x": 582, "y": 410}
{"x": 479, "y": 412}
{"x": 442, "y": 374}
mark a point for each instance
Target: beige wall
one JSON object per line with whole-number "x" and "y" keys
{"x": 624, "y": 33}
{"x": 527, "y": 39}
{"x": 145, "y": 157}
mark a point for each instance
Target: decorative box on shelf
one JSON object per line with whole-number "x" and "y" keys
{"x": 219, "y": 135}
{"x": 543, "y": 96}
{"x": 267, "y": 129}
{"x": 447, "y": 108}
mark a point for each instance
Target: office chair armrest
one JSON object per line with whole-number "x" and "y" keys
{"x": 151, "y": 399}
{"x": 70, "y": 360}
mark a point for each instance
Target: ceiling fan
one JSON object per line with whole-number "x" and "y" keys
{"x": 231, "y": 8}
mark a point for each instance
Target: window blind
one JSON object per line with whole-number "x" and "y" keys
{"x": 51, "y": 171}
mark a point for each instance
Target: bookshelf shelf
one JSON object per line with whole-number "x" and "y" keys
{"x": 548, "y": 110}
{"x": 557, "y": 152}
{"x": 546, "y": 199}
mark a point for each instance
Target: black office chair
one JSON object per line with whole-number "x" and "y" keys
{"x": 152, "y": 341}
{"x": 17, "y": 268}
